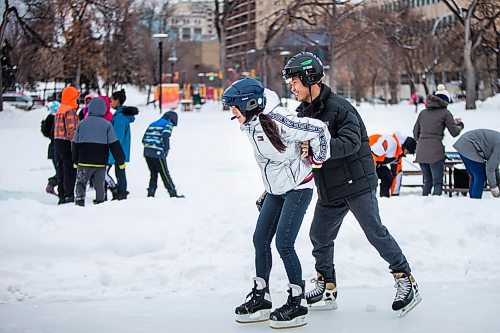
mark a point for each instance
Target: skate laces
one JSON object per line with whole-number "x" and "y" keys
{"x": 403, "y": 286}
{"x": 253, "y": 297}
{"x": 318, "y": 290}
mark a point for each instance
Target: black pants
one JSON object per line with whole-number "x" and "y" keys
{"x": 386, "y": 176}
{"x": 67, "y": 176}
{"x": 159, "y": 166}
{"x": 54, "y": 180}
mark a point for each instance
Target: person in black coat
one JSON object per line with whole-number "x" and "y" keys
{"x": 346, "y": 182}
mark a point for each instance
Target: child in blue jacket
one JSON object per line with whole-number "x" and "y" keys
{"x": 122, "y": 118}
{"x": 156, "y": 141}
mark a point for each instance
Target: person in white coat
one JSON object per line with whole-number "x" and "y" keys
{"x": 276, "y": 135}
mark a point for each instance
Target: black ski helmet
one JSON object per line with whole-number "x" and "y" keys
{"x": 246, "y": 94}
{"x": 306, "y": 66}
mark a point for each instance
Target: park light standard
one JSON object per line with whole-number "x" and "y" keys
{"x": 161, "y": 38}
{"x": 285, "y": 55}
{"x": 172, "y": 59}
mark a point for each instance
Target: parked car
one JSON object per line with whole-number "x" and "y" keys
{"x": 18, "y": 100}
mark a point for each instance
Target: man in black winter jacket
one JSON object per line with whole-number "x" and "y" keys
{"x": 346, "y": 182}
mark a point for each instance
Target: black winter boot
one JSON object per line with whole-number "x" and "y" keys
{"x": 80, "y": 202}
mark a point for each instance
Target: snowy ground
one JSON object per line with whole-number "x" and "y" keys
{"x": 151, "y": 265}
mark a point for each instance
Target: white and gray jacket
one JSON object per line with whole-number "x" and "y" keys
{"x": 282, "y": 172}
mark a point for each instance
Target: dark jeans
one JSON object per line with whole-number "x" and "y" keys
{"x": 281, "y": 215}
{"x": 121, "y": 179}
{"x": 54, "y": 180}
{"x": 326, "y": 224}
{"x": 67, "y": 176}
{"x": 433, "y": 177}
{"x": 159, "y": 166}
{"x": 477, "y": 173}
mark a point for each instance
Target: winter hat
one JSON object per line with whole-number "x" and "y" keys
{"x": 97, "y": 107}
{"x": 410, "y": 144}
{"x": 442, "y": 93}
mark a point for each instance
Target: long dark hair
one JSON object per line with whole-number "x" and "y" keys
{"x": 271, "y": 131}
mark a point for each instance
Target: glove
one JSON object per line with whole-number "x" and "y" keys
{"x": 495, "y": 191}
{"x": 314, "y": 164}
{"x": 260, "y": 201}
{"x": 75, "y": 166}
{"x": 122, "y": 166}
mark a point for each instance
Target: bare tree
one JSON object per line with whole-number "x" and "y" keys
{"x": 22, "y": 20}
{"x": 477, "y": 18}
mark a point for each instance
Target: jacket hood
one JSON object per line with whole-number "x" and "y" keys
{"x": 106, "y": 101}
{"x": 97, "y": 107}
{"x": 130, "y": 111}
{"x": 125, "y": 111}
{"x": 172, "y": 116}
{"x": 272, "y": 100}
{"x": 70, "y": 96}
{"x": 434, "y": 102}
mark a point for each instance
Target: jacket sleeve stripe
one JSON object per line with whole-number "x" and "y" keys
{"x": 307, "y": 128}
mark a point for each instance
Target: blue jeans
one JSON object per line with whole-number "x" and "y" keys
{"x": 281, "y": 215}
{"x": 326, "y": 224}
{"x": 433, "y": 177}
{"x": 477, "y": 173}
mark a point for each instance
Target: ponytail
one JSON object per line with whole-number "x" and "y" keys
{"x": 271, "y": 131}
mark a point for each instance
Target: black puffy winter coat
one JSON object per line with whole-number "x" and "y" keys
{"x": 350, "y": 171}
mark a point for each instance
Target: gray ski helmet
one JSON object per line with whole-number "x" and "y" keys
{"x": 306, "y": 66}
{"x": 246, "y": 94}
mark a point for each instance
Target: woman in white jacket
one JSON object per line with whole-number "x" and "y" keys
{"x": 276, "y": 135}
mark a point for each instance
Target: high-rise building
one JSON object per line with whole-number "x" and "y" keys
{"x": 193, "y": 20}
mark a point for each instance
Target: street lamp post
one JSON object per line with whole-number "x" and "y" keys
{"x": 160, "y": 38}
{"x": 172, "y": 59}
{"x": 285, "y": 55}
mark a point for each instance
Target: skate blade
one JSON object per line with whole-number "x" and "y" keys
{"x": 296, "y": 322}
{"x": 404, "y": 311}
{"x": 323, "y": 306}
{"x": 256, "y": 317}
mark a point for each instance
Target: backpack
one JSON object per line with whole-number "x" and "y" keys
{"x": 47, "y": 126}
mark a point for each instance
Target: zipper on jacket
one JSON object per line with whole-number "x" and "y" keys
{"x": 268, "y": 160}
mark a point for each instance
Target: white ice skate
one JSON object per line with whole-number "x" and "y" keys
{"x": 407, "y": 294}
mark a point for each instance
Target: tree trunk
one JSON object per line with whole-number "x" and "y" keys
{"x": 5, "y": 20}
{"x": 78, "y": 73}
{"x": 393, "y": 90}
{"x": 331, "y": 72}
{"x": 470, "y": 75}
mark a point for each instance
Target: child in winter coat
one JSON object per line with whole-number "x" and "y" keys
{"x": 121, "y": 123}
{"x": 47, "y": 128}
{"x": 156, "y": 143}
{"x": 94, "y": 138}
{"x": 65, "y": 122}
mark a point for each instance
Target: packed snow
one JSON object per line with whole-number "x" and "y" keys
{"x": 183, "y": 265}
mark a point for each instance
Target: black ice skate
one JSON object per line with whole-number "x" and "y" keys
{"x": 323, "y": 296}
{"x": 257, "y": 306}
{"x": 407, "y": 295}
{"x": 293, "y": 313}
